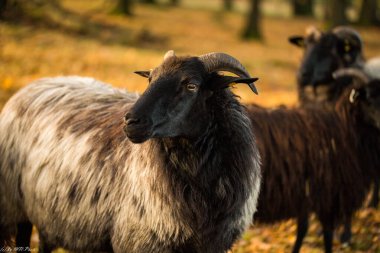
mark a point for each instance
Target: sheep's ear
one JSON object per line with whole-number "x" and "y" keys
{"x": 222, "y": 82}
{"x": 297, "y": 40}
{"x": 143, "y": 73}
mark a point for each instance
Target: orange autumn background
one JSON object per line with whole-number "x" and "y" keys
{"x": 88, "y": 38}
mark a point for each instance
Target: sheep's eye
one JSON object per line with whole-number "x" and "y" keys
{"x": 192, "y": 87}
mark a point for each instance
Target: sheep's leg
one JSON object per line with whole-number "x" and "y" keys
{"x": 375, "y": 195}
{"x": 328, "y": 231}
{"x": 24, "y": 232}
{"x": 345, "y": 237}
{"x": 302, "y": 226}
{"x": 44, "y": 247}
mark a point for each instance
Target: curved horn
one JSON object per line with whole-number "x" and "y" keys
{"x": 357, "y": 73}
{"x": 224, "y": 62}
{"x": 349, "y": 34}
{"x": 169, "y": 54}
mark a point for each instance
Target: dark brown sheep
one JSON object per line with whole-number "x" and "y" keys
{"x": 310, "y": 161}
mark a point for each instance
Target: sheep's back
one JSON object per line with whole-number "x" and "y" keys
{"x": 309, "y": 164}
{"x": 372, "y": 67}
{"x": 334, "y": 167}
{"x": 62, "y": 145}
{"x": 282, "y": 150}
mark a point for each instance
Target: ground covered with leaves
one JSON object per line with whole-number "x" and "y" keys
{"x": 85, "y": 38}
{"x": 281, "y": 236}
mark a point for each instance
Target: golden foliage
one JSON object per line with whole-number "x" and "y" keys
{"x": 91, "y": 42}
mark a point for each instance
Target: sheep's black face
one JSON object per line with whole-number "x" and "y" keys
{"x": 173, "y": 105}
{"x": 177, "y": 101}
{"x": 369, "y": 98}
{"x": 319, "y": 62}
{"x": 323, "y": 55}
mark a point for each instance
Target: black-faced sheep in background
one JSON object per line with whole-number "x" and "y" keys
{"x": 310, "y": 161}
{"x": 325, "y": 53}
{"x": 185, "y": 180}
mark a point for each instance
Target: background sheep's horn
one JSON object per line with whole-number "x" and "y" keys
{"x": 169, "y": 54}
{"x": 224, "y": 62}
{"x": 352, "y": 72}
{"x": 348, "y": 34}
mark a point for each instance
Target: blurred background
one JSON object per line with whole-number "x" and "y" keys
{"x": 109, "y": 39}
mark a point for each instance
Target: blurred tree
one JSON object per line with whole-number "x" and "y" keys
{"x": 368, "y": 13}
{"x": 303, "y": 7}
{"x": 3, "y": 5}
{"x": 252, "y": 29}
{"x": 335, "y": 12}
{"x": 174, "y": 2}
{"x": 227, "y": 5}
{"x": 16, "y": 9}
{"x": 149, "y": 1}
{"x": 125, "y": 7}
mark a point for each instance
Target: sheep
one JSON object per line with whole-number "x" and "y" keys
{"x": 324, "y": 53}
{"x": 185, "y": 179}
{"x": 309, "y": 161}
{"x": 372, "y": 68}
{"x": 368, "y": 75}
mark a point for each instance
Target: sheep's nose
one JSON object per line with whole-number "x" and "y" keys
{"x": 131, "y": 120}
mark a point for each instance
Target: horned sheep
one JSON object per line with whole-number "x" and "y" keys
{"x": 185, "y": 180}
{"x": 325, "y": 53}
{"x": 310, "y": 160}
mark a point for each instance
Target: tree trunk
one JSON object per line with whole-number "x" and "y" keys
{"x": 336, "y": 12}
{"x": 368, "y": 13}
{"x": 175, "y": 2}
{"x": 253, "y": 26}
{"x": 227, "y": 5}
{"x": 125, "y": 7}
{"x": 149, "y": 1}
{"x": 3, "y": 5}
{"x": 303, "y": 7}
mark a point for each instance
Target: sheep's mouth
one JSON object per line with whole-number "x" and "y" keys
{"x": 315, "y": 79}
{"x": 137, "y": 133}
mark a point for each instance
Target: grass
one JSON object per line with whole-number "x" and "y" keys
{"x": 111, "y": 47}
{"x": 92, "y": 42}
